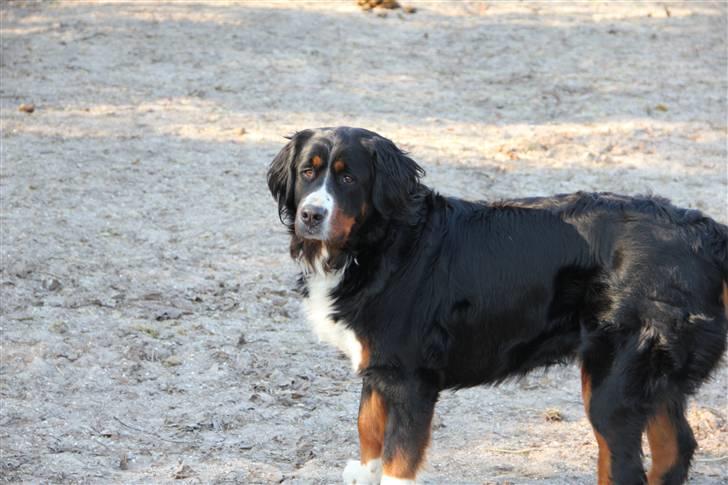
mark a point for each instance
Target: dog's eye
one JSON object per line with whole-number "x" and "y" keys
{"x": 307, "y": 173}
{"x": 347, "y": 179}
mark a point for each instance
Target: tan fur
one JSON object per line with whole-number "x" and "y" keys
{"x": 372, "y": 422}
{"x": 365, "y": 354}
{"x": 405, "y": 466}
{"x": 662, "y": 436}
{"x": 400, "y": 466}
{"x": 604, "y": 464}
{"x": 341, "y": 225}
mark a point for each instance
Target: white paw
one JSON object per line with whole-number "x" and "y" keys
{"x": 396, "y": 481}
{"x": 362, "y": 474}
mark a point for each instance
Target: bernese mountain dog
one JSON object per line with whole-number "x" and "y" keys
{"x": 425, "y": 292}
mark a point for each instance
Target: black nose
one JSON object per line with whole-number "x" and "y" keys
{"x": 312, "y": 215}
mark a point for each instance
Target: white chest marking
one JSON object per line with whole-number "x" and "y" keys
{"x": 318, "y": 308}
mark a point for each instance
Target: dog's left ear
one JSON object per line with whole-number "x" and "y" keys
{"x": 282, "y": 175}
{"x": 396, "y": 176}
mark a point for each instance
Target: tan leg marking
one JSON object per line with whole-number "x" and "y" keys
{"x": 372, "y": 422}
{"x": 404, "y": 465}
{"x": 662, "y": 436}
{"x": 605, "y": 457}
{"x": 401, "y": 466}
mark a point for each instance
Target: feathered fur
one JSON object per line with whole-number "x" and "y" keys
{"x": 446, "y": 293}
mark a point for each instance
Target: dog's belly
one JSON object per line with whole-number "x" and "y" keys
{"x": 318, "y": 308}
{"x": 473, "y": 359}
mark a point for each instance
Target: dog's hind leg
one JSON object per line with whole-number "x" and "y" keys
{"x": 604, "y": 458}
{"x": 618, "y": 430}
{"x": 672, "y": 445}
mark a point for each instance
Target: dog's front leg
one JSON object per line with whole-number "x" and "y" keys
{"x": 372, "y": 423}
{"x": 411, "y": 404}
{"x": 395, "y": 417}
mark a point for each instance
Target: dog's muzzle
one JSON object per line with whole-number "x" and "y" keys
{"x": 311, "y": 222}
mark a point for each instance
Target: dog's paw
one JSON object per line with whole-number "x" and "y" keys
{"x": 396, "y": 481}
{"x": 357, "y": 473}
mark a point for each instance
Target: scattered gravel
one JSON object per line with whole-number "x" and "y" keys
{"x": 149, "y": 329}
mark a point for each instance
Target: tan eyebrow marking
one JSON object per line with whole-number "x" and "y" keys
{"x": 339, "y": 166}
{"x": 316, "y": 161}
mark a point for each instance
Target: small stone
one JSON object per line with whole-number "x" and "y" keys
{"x": 553, "y": 415}
{"x": 172, "y": 361}
{"x": 170, "y": 314}
{"x": 26, "y": 108}
{"x": 183, "y": 471}
{"x": 51, "y": 284}
{"x": 59, "y": 327}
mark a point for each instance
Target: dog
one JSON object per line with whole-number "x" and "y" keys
{"x": 425, "y": 292}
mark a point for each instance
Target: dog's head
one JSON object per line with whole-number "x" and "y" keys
{"x": 329, "y": 182}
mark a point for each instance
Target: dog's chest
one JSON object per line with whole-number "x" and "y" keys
{"x": 318, "y": 308}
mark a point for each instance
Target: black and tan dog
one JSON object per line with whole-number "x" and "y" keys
{"x": 425, "y": 292}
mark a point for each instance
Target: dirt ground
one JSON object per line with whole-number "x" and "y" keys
{"x": 149, "y": 330}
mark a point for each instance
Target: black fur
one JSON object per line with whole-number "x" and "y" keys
{"x": 396, "y": 176}
{"x": 449, "y": 293}
{"x": 281, "y": 176}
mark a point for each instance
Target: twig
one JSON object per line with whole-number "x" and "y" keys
{"x": 715, "y": 411}
{"x": 708, "y": 460}
{"x": 152, "y": 433}
{"x": 514, "y": 452}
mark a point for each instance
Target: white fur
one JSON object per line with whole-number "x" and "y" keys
{"x": 318, "y": 307}
{"x": 322, "y": 198}
{"x": 396, "y": 481}
{"x": 363, "y": 473}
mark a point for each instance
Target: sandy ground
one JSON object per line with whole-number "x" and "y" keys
{"x": 149, "y": 332}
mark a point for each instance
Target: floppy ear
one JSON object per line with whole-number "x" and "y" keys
{"x": 282, "y": 175}
{"x": 396, "y": 176}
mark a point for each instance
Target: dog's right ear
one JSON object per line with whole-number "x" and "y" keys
{"x": 282, "y": 175}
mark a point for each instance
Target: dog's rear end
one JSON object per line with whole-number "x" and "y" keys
{"x": 660, "y": 338}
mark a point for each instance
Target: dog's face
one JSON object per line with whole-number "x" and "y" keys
{"x": 330, "y": 181}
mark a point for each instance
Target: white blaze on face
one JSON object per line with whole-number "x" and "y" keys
{"x": 322, "y": 198}
{"x": 320, "y": 304}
